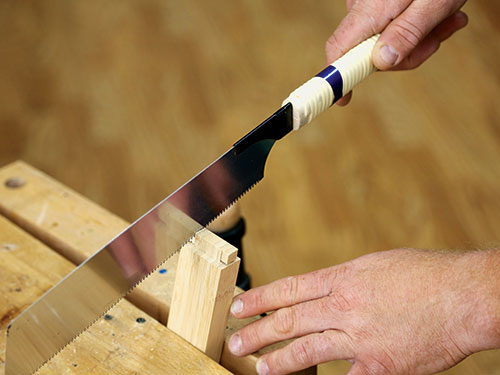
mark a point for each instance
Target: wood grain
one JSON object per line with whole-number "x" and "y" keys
{"x": 203, "y": 291}
{"x": 116, "y": 345}
{"x": 74, "y": 226}
{"x": 63, "y": 210}
{"x": 125, "y": 101}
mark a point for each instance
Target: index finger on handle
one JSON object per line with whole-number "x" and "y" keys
{"x": 364, "y": 19}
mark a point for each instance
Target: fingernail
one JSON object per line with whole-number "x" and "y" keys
{"x": 389, "y": 54}
{"x": 237, "y": 306}
{"x": 262, "y": 368}
{"x": 235, "y": 343}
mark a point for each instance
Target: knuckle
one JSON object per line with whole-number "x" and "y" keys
{"x": 367, "y": 13}
{"x": 337, "y": 301}
{"x": 381, "y": 364}
{"x": 338, "y": 273}
{"x": 250, "y": 337}
{"x": 363, "y": 371}
{"x": 289, "y": 289}
{"x": 373, "y": 14}
{"x": 276, "y": 361}
{"x": 259, "y": 300}
{"x": 254, "y": 301}
{"x": 333, "y": 277}
{"x": 302, "y": 352}
{"x": 326, "y": 308}
{"x": 408, "y": 33}
{"x": 333, "y": 47}
{"x": 285, "y": 321}
{"x": 331, "y": 42}
{"x": 376, "y": 368}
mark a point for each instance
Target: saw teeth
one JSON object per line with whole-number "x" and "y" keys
{"x": 105, "y": 311}
{"x": 232, "y": 203}
{"x": 136, "y": 284}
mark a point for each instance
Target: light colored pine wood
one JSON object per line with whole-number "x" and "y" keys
{"x": 119, "y": 345}
{"x": 125, "y": 101}
{"x": 203, "y": 291}
{"x": 74, "y": 226}
{"x": 67, "y": 210}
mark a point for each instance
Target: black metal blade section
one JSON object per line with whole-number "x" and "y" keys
{"x": 220, "y": 184}
{"x": 275, "y": 127}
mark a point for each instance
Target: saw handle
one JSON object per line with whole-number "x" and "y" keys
{"x": 332, "y": 83}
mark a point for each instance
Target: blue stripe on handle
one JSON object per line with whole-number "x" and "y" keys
{"x": 334, "y": 78}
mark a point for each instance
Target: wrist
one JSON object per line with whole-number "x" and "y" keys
{"x": 483, "y": 318}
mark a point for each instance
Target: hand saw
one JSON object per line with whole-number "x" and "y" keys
{"x": 85, "y": 294}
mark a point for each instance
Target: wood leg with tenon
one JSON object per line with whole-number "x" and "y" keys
{"x": 204, "y": 287}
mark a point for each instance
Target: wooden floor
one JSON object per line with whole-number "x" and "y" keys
{"x": 123, "y": 101}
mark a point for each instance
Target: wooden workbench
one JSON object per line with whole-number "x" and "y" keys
{"x": 45, "y": 229}
{"x": 126, "y": 100}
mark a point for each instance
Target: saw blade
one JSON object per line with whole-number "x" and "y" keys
{"x": 87, "y": 293}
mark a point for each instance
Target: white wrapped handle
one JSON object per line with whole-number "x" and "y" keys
{"x": 332, "y": 83}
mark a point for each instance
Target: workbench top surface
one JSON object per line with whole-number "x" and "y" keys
{"x": 127, "y": 340}
{"x": 45, "y": 230}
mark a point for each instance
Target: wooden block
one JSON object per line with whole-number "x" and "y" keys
{"x": 213, "y": 246}
{"x": 117, "y": 344}
{"x": 203, "y": 291}
{"x": 76, "y": 227}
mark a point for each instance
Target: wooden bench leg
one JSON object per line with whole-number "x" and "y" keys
{"x": 204, "y": 287}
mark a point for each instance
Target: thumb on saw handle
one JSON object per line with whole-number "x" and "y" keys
{"x": 332, "y": 83}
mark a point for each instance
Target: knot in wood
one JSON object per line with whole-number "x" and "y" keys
{"x": 15, "y": 182}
